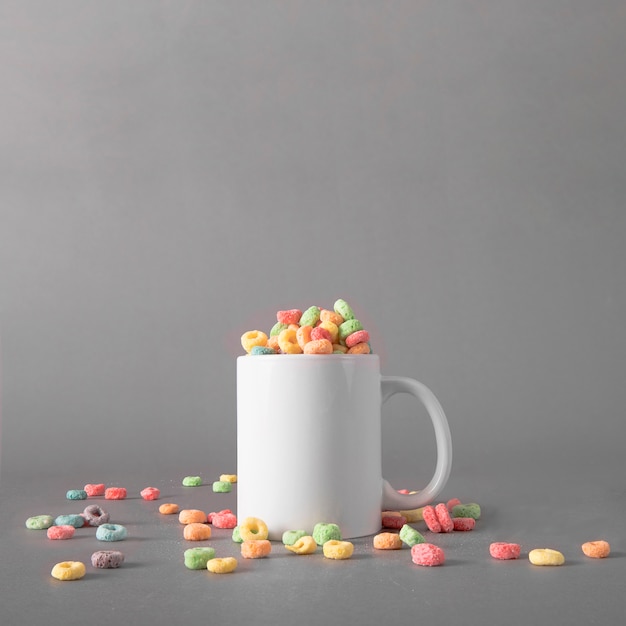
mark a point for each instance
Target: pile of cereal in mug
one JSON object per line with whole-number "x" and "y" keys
{"x": 314, "y": 331}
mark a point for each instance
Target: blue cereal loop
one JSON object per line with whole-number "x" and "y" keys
{"x": 76, "y": 494}
{"x": 75, "y": 520}
{"x": 262, "y": 350}
{"x": 111, "y": 532}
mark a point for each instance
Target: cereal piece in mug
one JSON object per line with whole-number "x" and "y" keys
{"x": 253, "y": 338}
{"x": 292, "y": 316}
{"x": 318, "y": 346}
{"x": 341, "y": 307}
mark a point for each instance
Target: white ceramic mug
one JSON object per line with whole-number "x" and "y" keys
{"x": 309, "y": 442}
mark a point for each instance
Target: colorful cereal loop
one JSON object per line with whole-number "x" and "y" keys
{"x": 255, "y": 548}
{"x": 596, "y": 549}
{"x": 304, "y": 545}
{"x": 253, "y": 338}
{"x": 223, "y": 565}
{"x": 253, "y": 528}
{"x": 68, "y": 570}
{"x": 338, "y": 550}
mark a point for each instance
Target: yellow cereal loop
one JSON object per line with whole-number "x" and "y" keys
{"x": 333, "y": 329}
{"x": 228, "y": 478}
{"x": 68, "y": 570}
{"x": 304, "y": 545}
{"x": 546, "y": 556}
{"x": 253, "y": 528}
{"x": 413, "y": 515}
{"x": 223, "y": 565}
{"x": 288, "y": 342}
{"x": 253, "y": 338}
{"x": 338, "y": 550}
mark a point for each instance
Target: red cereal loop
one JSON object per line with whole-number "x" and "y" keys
{"x": 115, "y": 493}
{"x": 224, "y": 520}
{"x": 430, "y": 517}
{"x": 452, "y": 503}
{"x": 504, "y": 551}
{"x": 463, "y": 523}
{"x": 393, "y": 521}
{"x": 427, "y": 554}
{"x": 292, "y": 316}
{"x": 94, "y": 490}
{"x": 63, "y": 531}
{"x": 320, "y": 333}
{"x": 150, "y": 493}
{"x": 358, "y": 336}
{"x": 443, "y": 516}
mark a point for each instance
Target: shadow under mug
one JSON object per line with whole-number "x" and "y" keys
{"x": 309, "y": 442}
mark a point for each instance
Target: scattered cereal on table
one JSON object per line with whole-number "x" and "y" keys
{"x": 95, "y": 515}
{"x": 599, "y": 549}
{"x": 39, "y": 522}
{"x": 169, "y": 508}
{"x": 115, "y": 493}
{"x": 76, "y": 494}
{"x": 68, "y": 570}
{"x": 222, "y": 565}
{"x": 222, "y": 486}
{"x": 95, "y": 490}
{"x": 337, "y": 549}
{"x": 192, "y": 481}
{"x": 62, "y": 531}
{"x": 107, "y": 559}
{"x": 192, "y": 516}
{"x": 111, "y": 532}
{"x": 546, "y": 556}
{"x": 387, "y": 541}
{"x": 150, "y": 493}
{"x": 196, "y": 532}
{"x": 255, "y": 548}
{"x": 410, "y": 536}
{"x": 503, "y": 550}
{"x": 323, "y": 532}
{"x": 304, "y": 545}
{"x": 427, "y": 554}
{"x": 197, "y": 558}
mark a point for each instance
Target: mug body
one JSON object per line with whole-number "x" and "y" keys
{"x": 309, "y": 442}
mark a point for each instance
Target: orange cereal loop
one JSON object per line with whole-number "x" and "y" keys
{"x": 255, "y": 548}
{"x": 303, "y": 335}
{"x": 331, "y": 316}
{"x": 197, "y": 532}
{"x": 169, "y": 508}
{"x": 596, "y": 549}
{"x": 360, "y": 348}
{"x": 318, "y": 346}
{"x": 288, "y": 343}
{"x": 272, "y": 342}
{"x": 192, "y": 516}
{"x": 337, "y": 347}
{"x": 253, "y": 338}
{"x": 387, "y": 541}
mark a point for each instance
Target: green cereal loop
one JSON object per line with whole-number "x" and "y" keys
{"x": 197, "y": 558}
{"x": 348, "y": 327}
{"x": 410, "y": 536}
{"x": 343, "y": 308}
{"x": 326, "y": 532}
{"x": 291, "y": 536}
{"x": 73, "y": 519}
{"x": 262, "y": 350}
{"x": 76, "y": 494}
{"x": 40, "y": 522}
{"x": 192, "y": 481}
{"x": 310, "y": 317}
{"x": 278, "y": 328}
{"x": 237, "y": 535}
{"x": 466, "y": 510}
{"x": 222, "y": 486}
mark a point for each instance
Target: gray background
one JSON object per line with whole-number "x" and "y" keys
{"x": 173, "y": 172}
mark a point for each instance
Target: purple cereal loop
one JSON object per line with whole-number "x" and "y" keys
{"x": 107, "y": 559}
{"x": 95, "y": 515}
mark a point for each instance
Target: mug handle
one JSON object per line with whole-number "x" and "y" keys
{"x": 391, "y": 385}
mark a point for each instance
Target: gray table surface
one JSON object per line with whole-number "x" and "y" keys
{"x": 533, "y": 503}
